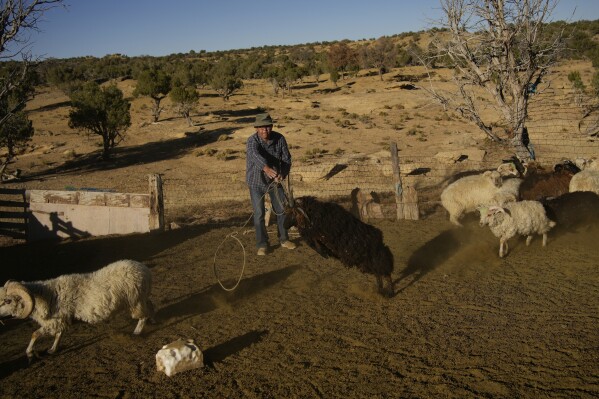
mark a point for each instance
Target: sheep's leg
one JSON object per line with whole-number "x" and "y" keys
{"x": 544, "y": 239}
{"x": 455, "y": 219}
{"x": 528, "y": 240}
{"x": 142, "y": 311}
{"x": 390, "y": 289}
{"x": 503, "y": 247}
{"x": 379, "y": 283}
{"x": 140, "y": 326}
{"x": 36, "y": 334}
{"x": 151, "y": 313}
{"x": 55, "y": 344}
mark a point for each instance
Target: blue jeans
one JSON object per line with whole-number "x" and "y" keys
{"x": 257, "y": 197}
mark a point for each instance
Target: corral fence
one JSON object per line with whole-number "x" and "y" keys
{"x": 370, "y": 187}
{"x": 41, "y": 214}
{"x": 401, "y": 183}
{"x": 13, "y": 213}
{"x": 405, "y": 183}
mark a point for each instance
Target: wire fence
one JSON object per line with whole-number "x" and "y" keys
{"x": 560, "y": 127}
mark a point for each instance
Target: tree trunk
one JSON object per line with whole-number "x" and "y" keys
{"x": 522, "y": 146}
{"x": 4, "y": 165}
{"x": 156, "y": 110}
{"x": 106, "y": 146}
{"x": 275, "y": 86}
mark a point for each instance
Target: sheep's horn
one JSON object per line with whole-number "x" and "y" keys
{"x": 18, "y": 289}
{"x": 300, "y": 210}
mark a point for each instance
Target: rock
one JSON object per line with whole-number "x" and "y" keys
{"x": 472, "y": 154}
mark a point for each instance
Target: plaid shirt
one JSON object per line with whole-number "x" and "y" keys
{"x": 273, "y": 153}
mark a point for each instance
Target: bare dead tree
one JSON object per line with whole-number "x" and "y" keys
{"x": 499, "y": 46}
{"x": 17, "y": 18}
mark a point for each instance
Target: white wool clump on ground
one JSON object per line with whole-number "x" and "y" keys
{"x": 179, "y": 356}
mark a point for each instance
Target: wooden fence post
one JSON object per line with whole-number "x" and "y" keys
{"x": 406, "y": 198}
{"x": 397, "y": 187}
{"x": 156, "y": 203}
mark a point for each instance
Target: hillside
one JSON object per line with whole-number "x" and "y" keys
{"x": 324, "y": 125}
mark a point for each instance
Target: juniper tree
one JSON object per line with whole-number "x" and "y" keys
{"x": 156, "y": 84}
{"x": 185, "y": 98}
{"x": 102, "y": 111}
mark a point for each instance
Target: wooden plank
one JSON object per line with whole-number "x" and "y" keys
{"x": 156, "y": 203}
{"x": 13, "y": 204}
{"x": 117, "y": 199}
{"x": 397, "y": 189}
{"x": 139, "y": 200}
{"x": 409, "y": 199}
{"x": 13, "y": 225}
{"x": 12, "y": 191}
{"x": 13, "y": 215}
{"x": 92, "y": 198}
{"x": 62, "y": 197}
{"x": 53, "y": 196}
{"x": 65, "y": 220}
{"x": 13, "y": 233}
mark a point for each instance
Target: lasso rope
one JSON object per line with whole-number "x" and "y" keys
{"x": 234, "y": 236}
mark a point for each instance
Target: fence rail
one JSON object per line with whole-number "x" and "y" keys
{"x": 13, "y": 213}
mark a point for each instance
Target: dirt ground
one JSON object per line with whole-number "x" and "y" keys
{"x": 463, "y": 323}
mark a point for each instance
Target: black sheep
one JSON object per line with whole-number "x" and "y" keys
{"x": 333, "y": 231}
{"x": 572, "y": 210}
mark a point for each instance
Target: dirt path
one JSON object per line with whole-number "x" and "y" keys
{"x": 464, "y": 323}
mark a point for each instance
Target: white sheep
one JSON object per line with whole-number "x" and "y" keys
{"x": 523, "y": 217}
{"x": 89, "y": 297}
{"x": 508, "y": 192}
{"x": 588, "y": 178}
{"x": 468, "y": 193}
{"x": 507, "y": 169}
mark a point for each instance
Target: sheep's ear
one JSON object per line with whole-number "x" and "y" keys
{"x": 487, "y": 173}
{"x": 495, "y": 209}
{"x": 25, "y": 306}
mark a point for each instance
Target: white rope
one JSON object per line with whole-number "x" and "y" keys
{"x": 234, "y": 236}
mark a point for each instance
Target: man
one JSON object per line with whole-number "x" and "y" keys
{"x": 268, "y": 162}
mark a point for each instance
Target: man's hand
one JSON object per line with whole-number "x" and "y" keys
{"x": 270, "y": 172}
